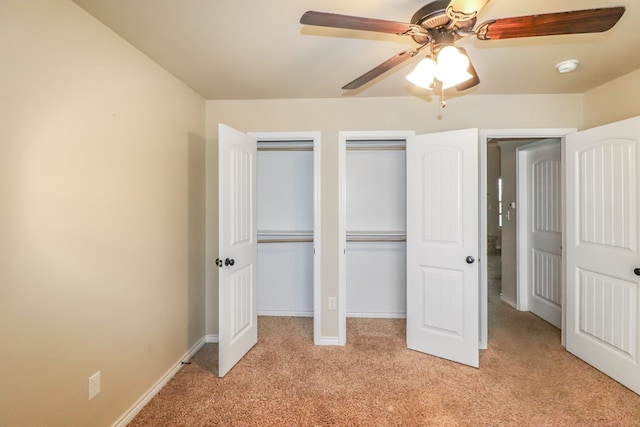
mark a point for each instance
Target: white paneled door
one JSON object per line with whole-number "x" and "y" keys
{"x": 442, "y": 245}
{"x": 603, "y": 258}
{"x": 545, "y": 232}
{"x": 237, "y": 287}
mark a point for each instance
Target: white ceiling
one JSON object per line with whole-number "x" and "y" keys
{"x": 253, "y": 49}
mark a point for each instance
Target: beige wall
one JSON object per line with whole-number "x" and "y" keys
{"x": 329, "y": 116}
{"x": 613, "y": 101}
{"x": 101, "y": 218}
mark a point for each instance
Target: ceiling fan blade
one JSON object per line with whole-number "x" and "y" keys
{"x": 473, "y": 81}
{"x": 462, "y": 10}
{"x": 380, "y": 69}
{"x": 334, "y": 20}
{"x": 551, "y": 24}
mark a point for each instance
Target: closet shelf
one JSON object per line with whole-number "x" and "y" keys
{"x": 382, "y": 145}
{"x": 376, "y": 236}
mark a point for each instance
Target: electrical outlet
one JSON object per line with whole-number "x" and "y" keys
{"x": 94, "y": 385}
{"x": 333, "y": 303}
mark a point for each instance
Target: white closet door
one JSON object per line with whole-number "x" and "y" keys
{"x": 442, "y": 245}
{"x": 603, "y": 249}
{"x": 238, "y": 316}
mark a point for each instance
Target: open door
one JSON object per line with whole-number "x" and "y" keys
{"x": 238, "y": 249}
{"x": 602, "y": 253}
{"x": 442, "y": 245}
{"x": 544, "y": 231}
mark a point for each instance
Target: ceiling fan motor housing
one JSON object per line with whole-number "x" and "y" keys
{"x": 433, "y": 18}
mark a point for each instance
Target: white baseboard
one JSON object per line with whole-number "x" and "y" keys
{"x": 388, "y": 315}
{"x": 149, "y": 394}
{"x": 285, "y": 313}
{"x": 327, "y": 341}
{"x": 211, "y": 338}
{"x": 508, "y": 302}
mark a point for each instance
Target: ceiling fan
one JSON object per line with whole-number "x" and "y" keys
{"x": 440, "y": 23}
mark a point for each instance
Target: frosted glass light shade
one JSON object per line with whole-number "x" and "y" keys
{"x": 423, "y": 74}
{"x": 451, "y": 63}
{"x": 451, "y": 69}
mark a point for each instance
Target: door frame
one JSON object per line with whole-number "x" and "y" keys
{"x": 523, "y": 214}
{"x": 343, "y": 136}
{"x": 314, "y": 136}
{"x": 485, "y": 135}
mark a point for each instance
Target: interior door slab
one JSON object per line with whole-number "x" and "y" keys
{"x": 603, "y": 289}
{"x": 442, "y": 245}
{"x": 237, "y": 279}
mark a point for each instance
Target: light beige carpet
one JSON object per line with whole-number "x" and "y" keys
{"x": 526, "y": 378}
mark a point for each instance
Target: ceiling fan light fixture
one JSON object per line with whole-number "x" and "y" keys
{"x": 423, "y": 74}
{"x": 451, "y": 68}
{"x": 567, "y": 66}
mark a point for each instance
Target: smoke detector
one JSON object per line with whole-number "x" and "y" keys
{"x": 567, "y": 66}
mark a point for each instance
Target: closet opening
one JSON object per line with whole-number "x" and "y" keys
{"x": 372, "y": 226}
{"x": 288, "y": 224}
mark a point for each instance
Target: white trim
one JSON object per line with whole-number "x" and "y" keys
{"x": 317, "y": 239}
{"x": 342, "y": 238}
{"x": 212, "y": 338}
{"x": 317, "y": 217}
{"x": 128, "y": 416}
{"x": 343, "y": 136}
{"x": 285, "y": 313}
{"x": 522, "y": 239}
{"x": 508, "y": 302}
{"x": 483, "y": 296}
{"x": 327, "y": 341}
{"x": 485, "y": 135}
{"x": 389, "y": 315}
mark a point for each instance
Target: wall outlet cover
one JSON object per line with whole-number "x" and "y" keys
{"x": 94, "y": 385}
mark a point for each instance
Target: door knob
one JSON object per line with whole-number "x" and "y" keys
{"x": 636, "y": 271}
{"x": 229, "y": 262}
{"x": 470, "y": 259}
{"x": 218, "y": 262}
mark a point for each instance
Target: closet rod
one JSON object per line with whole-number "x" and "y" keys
{"x": 300, "y": 240}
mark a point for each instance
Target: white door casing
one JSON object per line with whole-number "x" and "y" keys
{"x": 442, "y": 232}
{"x": 544, "y": 231}
{"x": 602, "y": 239}
{"x": 237, "y": 287}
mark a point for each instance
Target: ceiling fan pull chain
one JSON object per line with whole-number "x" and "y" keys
{"x": 443, "y": 102}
